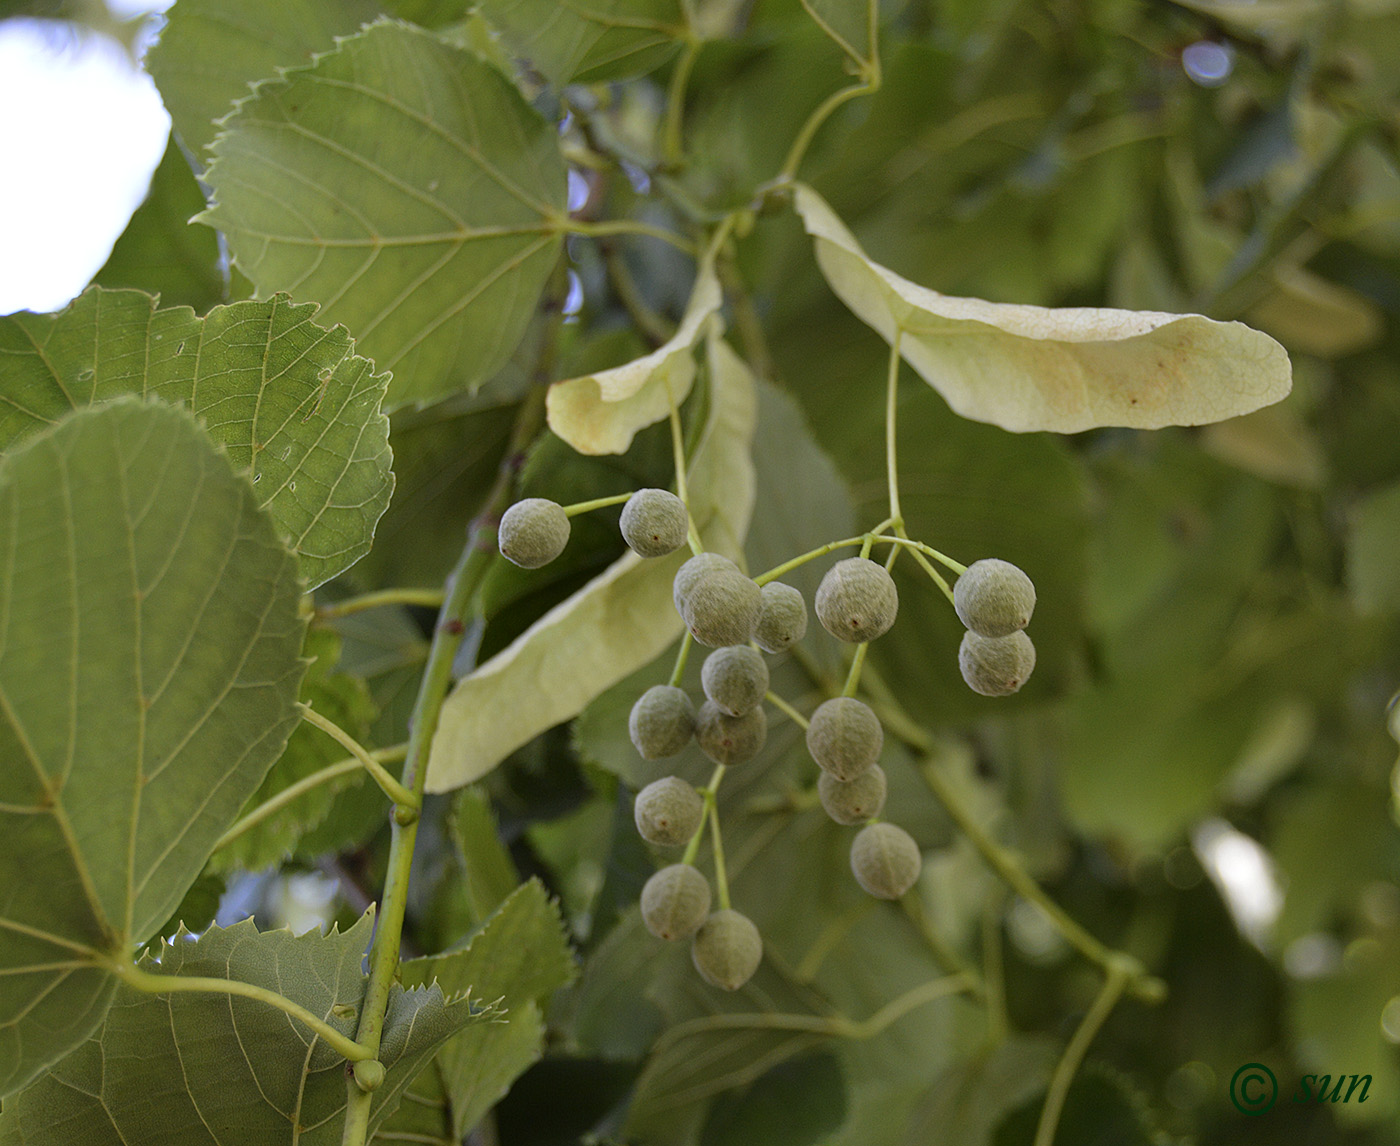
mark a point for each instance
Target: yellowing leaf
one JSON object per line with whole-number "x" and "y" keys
{"x": 1070, "y": 369}
{"x": 618, "y": 622}
{"x": 600, "y": 413}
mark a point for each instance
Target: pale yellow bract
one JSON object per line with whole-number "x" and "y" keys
{"x": 600, "y": 413}
{"x": 1035, "y": 368}
{"x": 622, "y": 619}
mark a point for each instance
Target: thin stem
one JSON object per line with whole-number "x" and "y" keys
{"x": 675, "y": 100}
{"x": 391, "y": 787}
{"x": 787, "y": 710}
{"x": 857, "y": 663}
{"x": 1143, "y": 985}
{"x": 938, "y": 578}
{"x": 897, "y": 1008}
{"x": 836, "y": 1026}
{"x": 692, "y": 849}
{"x": 717, "y": 845}
{"x": 942, "y": 952}
{"x": 1118, "y": 977}
{"x": 429, "y": 598}
{"x": 811, "y": 555}
{"x": 682, "y": 655}
{"x": 604, "y": 227}
{"x": 597, "y": 503}
{"x": 306, "y": 784}
{"x": 151, "y": 984}
{"x": 814, "y": 122}
{"x": 891, "y": 408}
{"x": 463, "y": 584}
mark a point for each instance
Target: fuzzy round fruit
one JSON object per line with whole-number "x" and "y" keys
{"x": 654, "y": 522}
{"x": 533, "y": 532}
{"x": 886, "y": 860}
{"x": 782, "y": 622}
{"x": 689, "y": 575}
{"x": 727, "y": 949}
{"x": 675, "y": 901}
{"x": 668, "y": 811}
{"x": 735, "y": 678}
{"x": 722, "y": 609}
{"x": 662, "y": 721}
{"x": 729, "y": 739}
{"x": 996, "y": 666}
{"x": 857, "y": 600}
{"x": 994, "y": 598}
{"x": 853, "y": 801}
{"x": 844, "y": 737}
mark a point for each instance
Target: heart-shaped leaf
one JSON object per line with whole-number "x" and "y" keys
{"x": 619, "y": 621}
{"x": 600, "y": 413}
{"x": 211, "y": 52}
{"x": 520, "y": 956}
{"x": 232, "y": 1071}
{"x": 409, "y": 189}
{"x": 587, "y": 43}
{"x": 1069, "y": 369}
{"x": 149, "y": 662}
{"x": 290, "y": 401}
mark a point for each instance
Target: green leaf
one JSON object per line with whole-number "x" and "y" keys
{"x": 424, "y": 1114}
{"x": 1373, "y": 552}
{"x": 212, "y": 51}
{"x": 445, "y": 461}
{"x": 290, "y": 401}
{"x": 149, "y": 642}
{"x": 408, "y": 188}
{"x": 233, "y": 1070}
{"x": 338, "y": 696}
{"x": 590, "y": 42}
{"x": 488, "y": 873}
{"x": 620, "y": 620}
{"x": 1029, "y": 368}
{"x": 966, "y": 1103}
{"x": 601, "y": 413}
{"x": 521, "y": 957}
{"x": 159, "y": 252}
{"x": 794, "y": 1104}
{"x": 199, "y": 907}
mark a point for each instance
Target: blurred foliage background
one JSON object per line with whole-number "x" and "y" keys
{"x": 1200, "y": 771}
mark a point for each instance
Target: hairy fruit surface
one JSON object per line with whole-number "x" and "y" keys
{"x": 994, "y": 598}
{"x": 668, "y": 811}
{"x": 727, "y": 949}
{"x": 662, "y": 721}
{"x": 844, "y": 737}
{"x": 675, "y": 901}
{"x": 885, "y": 860}
{"x": 857, "y": 600}
{"x": 533, "y": 532}
{"x": 654, "y": 522}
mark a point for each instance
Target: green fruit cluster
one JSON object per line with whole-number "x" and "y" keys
{"x": 995, "y": 600}
{"x": 535, "y": 530}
